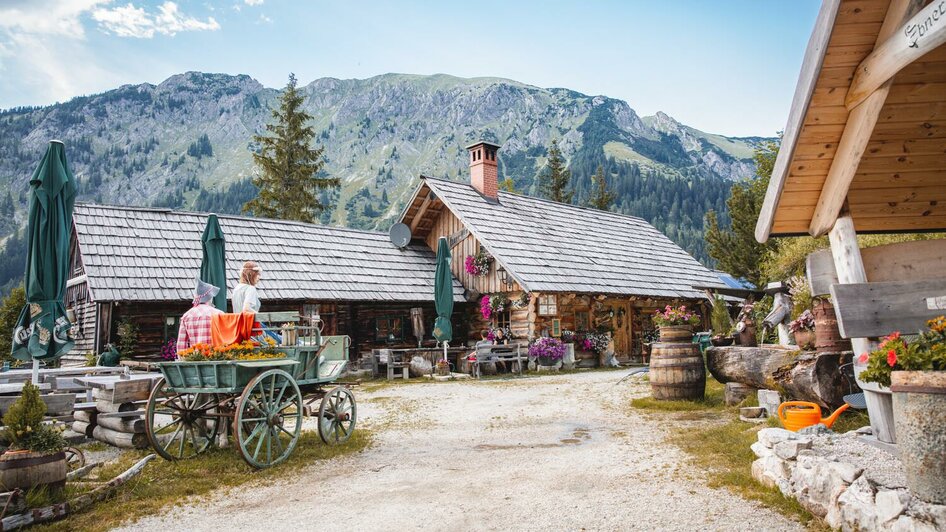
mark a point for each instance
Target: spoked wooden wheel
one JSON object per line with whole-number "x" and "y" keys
{"x": 337, "y": 415}
{"x": 268, "y": 418}
{"x": 75, "y": 458}
{"x": 180, "y": 425}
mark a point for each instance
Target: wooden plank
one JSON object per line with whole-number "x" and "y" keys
{"x": 877, "y": 309}
{"x": 857, "y": 133}
{"x": 17, "y": 387}
{"x": 897, "y": 48}
{"x": 807, "y": 80}
{"x": 917, "y": 260}
{"x": 60, "y": 403}
{"x": 420, "y": 212}
{"x": 132, "y": 390}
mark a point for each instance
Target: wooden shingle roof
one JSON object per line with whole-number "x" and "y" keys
{"x": 139, "y": 254}
{"x": 555, "y": 247}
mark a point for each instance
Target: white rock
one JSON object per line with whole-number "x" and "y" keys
{"x": 770, "y": 436}
{"x": 788, "y": 450}
{"x": 890, "y": 504}
{"x": 856, "y": 506}
{"x": 760, "y": 450}
{"x": 864, "y": 430}
{"x": 907, "y": 523}
{"x": 818, "y": 482}
{"x": 769, "y": 400}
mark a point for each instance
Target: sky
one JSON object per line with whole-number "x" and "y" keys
{"x": 722, "y": 66}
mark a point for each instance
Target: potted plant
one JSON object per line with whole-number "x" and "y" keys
{"x": 915, "y": 371}
{"x": 36, "y": 455}
{"x": 803, "y": 328}
{"x": 443, "y": 367}
{"x": 547, "y": 350}
{"x": 676, "y": 323}
{"x": 478, "y": 265}
{"x": 721, "y": 322}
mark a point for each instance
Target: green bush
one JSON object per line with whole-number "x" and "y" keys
{"x": 719, "y": 316}
{"x": 127, "y": 338}
{"x": 24, "y": 424}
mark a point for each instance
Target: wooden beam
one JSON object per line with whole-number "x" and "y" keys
{"x": 925, "y": 31}
{"x": 917, "y": 260}
{"x": 856, "y": 134}
{"x": 878, "y": 309}
{"x": 807, "y": 79}
{"x": 848, "y": 264}
{"x": 420, "y": 212}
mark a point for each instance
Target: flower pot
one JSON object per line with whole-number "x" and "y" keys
{"x": 919, "y": 406}
{"x": 568, "y": 362}
{"x": 26, "y": 470}
{"x": 721, "y": 341}
{"x": 676, "y": 333}
{"x": 827, "y": 335}
{"x": 443, "y": 369}
{"x": 548, "y": 361}
{"x": 805, "y": 339}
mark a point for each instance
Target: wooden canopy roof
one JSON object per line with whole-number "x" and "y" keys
{"x": 867, "y": 124}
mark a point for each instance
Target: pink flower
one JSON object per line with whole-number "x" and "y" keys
{"x": 862, "y": 359}
{"x": 891, "y": 358}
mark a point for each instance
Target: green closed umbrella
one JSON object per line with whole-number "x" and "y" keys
{"x": 42, "y": 330}
{"x": 213, "y": 267}
{"x": 443, "y": 295}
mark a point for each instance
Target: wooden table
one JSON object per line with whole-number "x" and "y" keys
{"x": 400, "y": 359}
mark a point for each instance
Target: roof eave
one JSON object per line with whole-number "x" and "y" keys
{"x": 807, "y": 79}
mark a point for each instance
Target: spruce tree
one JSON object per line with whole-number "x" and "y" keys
{"x": 508, "y": 185}
{"x": 601, "y": 196}
{"x": 735, "y": 248}
{"x": 288, "y": 178}
{"x": 555, "y": 179}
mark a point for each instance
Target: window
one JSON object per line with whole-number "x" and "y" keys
{"x": 582, "y": 321}
{"x": 388, "y": 329}
{"x": 548, "y": 305}
{"x": 502, "y": 319}
{"x": 172, "y": 323}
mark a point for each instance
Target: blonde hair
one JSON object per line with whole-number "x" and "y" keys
{"x": 250, "y": 273}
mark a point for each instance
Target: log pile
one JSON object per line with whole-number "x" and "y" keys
{"x": 799, "y": 375}
{"x": 118, "y": 415}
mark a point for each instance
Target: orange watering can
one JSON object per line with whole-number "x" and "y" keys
{"x": 797, "y": 415}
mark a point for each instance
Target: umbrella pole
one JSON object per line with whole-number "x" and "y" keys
{"x": 445, "y": 345}
{"x": 36, "y": 372}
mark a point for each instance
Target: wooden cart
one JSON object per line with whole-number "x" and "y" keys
{"x": 263, "y": 400}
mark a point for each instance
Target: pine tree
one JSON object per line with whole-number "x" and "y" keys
{"x": 601, "y": 196}
{"x": 508, "y": 185}
{"x": 555, "y": 179}
{"x": 735, "y": 248}
{"x": 288, "y": 179}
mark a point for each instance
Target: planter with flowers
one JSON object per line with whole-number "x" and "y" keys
{"x": 37, "y": 451}
{"x": 478, "y": 265}
{"x": 547, "y": 351}
{"x": 803, "y": 328}
{"x": 676, "y": 323}
{"x": 915, "y": 371}
{"x": 493, "y": 304}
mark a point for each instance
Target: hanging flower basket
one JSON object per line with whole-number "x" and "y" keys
{"x": 478, "y": 265}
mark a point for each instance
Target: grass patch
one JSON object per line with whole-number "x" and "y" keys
{"x": 164, "y": 484}
{"x": 712, "y": 400}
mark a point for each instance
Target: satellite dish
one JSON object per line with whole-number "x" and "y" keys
{"x": 400, "y": 235}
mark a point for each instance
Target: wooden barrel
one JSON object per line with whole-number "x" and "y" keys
{"x": 26, "y": 470}
{"x": 677, "y": 371}
{"x": 827, "y": 336}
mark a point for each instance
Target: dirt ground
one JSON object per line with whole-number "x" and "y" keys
{"x": 559, "y": 452}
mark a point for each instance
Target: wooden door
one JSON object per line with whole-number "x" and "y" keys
{"x": 621, "y": 324}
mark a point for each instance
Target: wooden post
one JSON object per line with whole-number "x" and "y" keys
{"x": 850, "y": 269}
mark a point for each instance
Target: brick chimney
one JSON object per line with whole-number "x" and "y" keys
{"x": 484, "y": 175}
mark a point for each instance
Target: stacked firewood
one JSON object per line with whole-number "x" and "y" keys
{"x": 116, "y": 415}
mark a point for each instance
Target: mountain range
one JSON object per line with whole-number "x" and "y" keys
{"x": 187, "y": 143}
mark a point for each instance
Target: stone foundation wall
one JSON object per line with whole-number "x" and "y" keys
{"x": 848, "y": 483}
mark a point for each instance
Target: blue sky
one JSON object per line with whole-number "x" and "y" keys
{"x": 722, "y": 66}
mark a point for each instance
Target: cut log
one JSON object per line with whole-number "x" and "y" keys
{"x": 106, "y": 406}
{"x": 83, "y": 427}
{"x": 123, "y": 440}
{"x": 88, "y": 416}
{"x": 129, "y": 425}
{"x": 804, "y": 376}
{"x": 58, "y": 511}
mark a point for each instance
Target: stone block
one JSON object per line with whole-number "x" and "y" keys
{"x": 736, "y": 392}
{"x": 769, "y": 400}
{"x": 760, "y": 450}
{"x": 771, "y": 436}
{"x": 788, "y": 450}
{"x": 819, "y": 482}
{"x": 856, "y": 510}
{"x": 890, "y": 504}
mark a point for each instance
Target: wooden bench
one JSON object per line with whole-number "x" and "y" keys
{"x": 491, "y": 354}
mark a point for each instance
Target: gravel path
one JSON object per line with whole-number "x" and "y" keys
{"x": 551, "y": 453}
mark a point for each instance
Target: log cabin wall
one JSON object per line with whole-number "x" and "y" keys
{"x": 365, "y": 333}
{"x": 448, "y": 224}
{"x": 83, "y": 328}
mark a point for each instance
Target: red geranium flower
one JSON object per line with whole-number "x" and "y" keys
{"x": 891, "y": 358}
{"x": 862, "y": 359}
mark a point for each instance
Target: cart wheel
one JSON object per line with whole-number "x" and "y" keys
{"x": 268, "y": 418}
{"x": 337, "y": 415}
{"x": 74, "y": 458}
{"x": 178, "y": 424}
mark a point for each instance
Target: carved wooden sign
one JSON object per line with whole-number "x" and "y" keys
{"x": 458, "y": 237}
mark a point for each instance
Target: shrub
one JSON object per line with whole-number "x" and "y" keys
{"x": 24, "y": 424}
{"x": 719, "y": 317}
{"x": 127, "y": 333}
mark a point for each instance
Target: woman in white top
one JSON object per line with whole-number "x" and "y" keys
{"x": 245, "y": 297}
